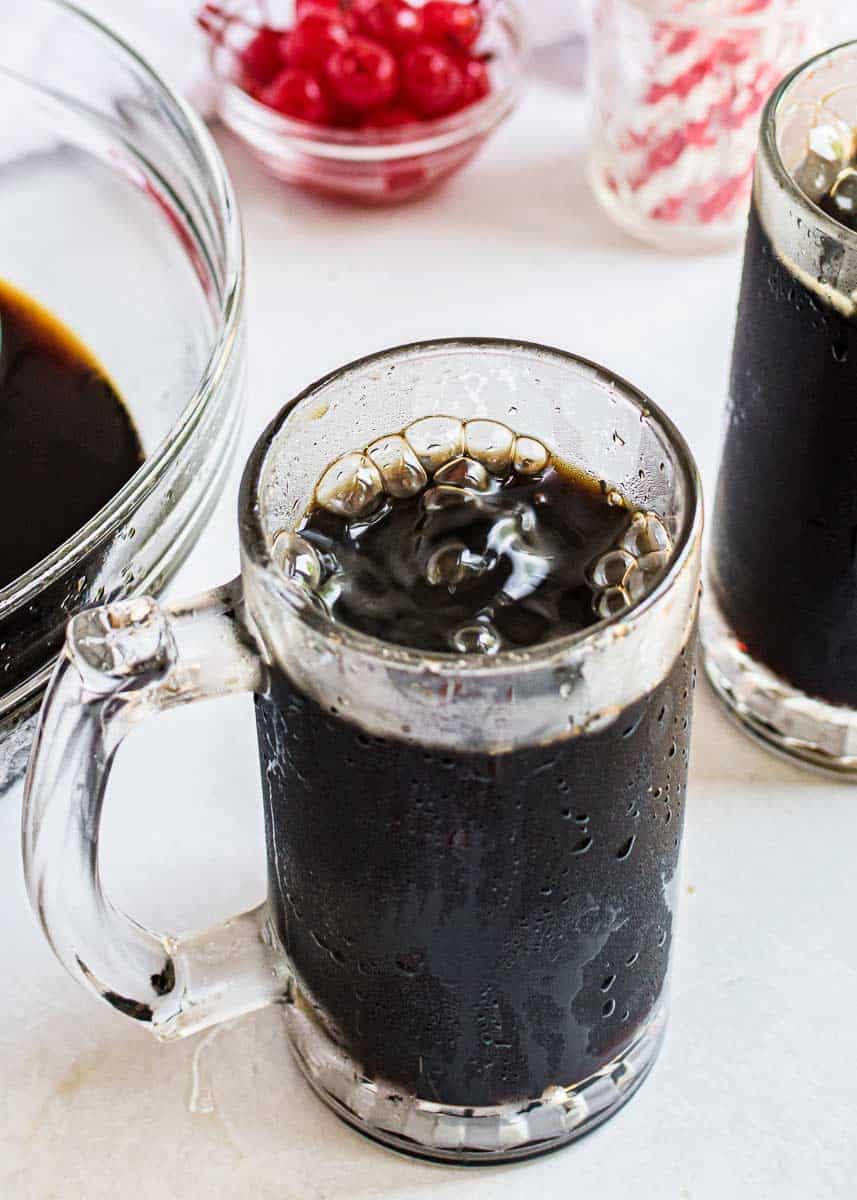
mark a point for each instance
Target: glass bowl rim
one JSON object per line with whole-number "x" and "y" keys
{"x": 145, "y": 479}
{"x": 770, "y": 151}
{"x": 254, "y": 542}
{"x": 389, "y": 144}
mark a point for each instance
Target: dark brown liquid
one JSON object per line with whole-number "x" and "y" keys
{"x": 785, "y": 546}
{"x": 513, "y": 559}
{"x": 67, "y": 443}
{"x": 476, "y": 927}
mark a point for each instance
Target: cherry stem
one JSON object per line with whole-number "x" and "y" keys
{"x": 214, "y": 20}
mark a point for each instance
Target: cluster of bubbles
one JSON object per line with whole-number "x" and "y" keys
{"x": 827, "y": 174}
{"x": 451, "y": 452}
{"x": 449, "y": 462}
{"x": 457, "y": 458}
{"x": 624, "y": 574}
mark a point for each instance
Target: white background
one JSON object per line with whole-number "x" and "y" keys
{"x": 754, "y": 1093}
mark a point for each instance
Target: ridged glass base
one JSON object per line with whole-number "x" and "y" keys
{"x": 452, "y": 1134}
{"x": 786, "y": 720}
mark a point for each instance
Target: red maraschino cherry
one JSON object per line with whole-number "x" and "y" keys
{"x": 363, "y": 75}
{"x": 433, "y": 81}
{"x": 297, "y": 93}
{"x": 261, "y": 58}
{"x": 452, "y": 26}
{"x": 394, "y": 23}
{"x": 312, "y": 41}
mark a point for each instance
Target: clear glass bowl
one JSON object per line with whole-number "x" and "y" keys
{"x": 382, "y": 166}
{"x": 117, "y": 214}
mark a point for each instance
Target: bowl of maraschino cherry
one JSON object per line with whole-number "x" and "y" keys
{"x": 369, "y": 100}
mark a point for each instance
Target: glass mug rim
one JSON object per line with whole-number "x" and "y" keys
{"x": 769, "y": 151}
{"x": 256, "y": 547}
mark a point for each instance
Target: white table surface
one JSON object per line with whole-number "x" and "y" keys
{"x": 754, "y": 1094}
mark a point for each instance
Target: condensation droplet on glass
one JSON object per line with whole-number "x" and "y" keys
{"x": 625, "y": 849}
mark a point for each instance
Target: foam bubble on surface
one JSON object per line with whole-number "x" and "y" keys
{"x": 351, "y": 486}
{"x": 401, "y": 471}
{"x": 490, "y": 443}
{"x": 436, "y": 440}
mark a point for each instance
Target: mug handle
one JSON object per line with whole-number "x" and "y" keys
{"x": 121, "y": 664}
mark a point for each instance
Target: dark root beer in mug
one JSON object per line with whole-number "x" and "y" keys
{"x": 469, "y": 585}
{"x": 780, "y": 617}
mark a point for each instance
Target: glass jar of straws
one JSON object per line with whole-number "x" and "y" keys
{"x": 678, "y": 89}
